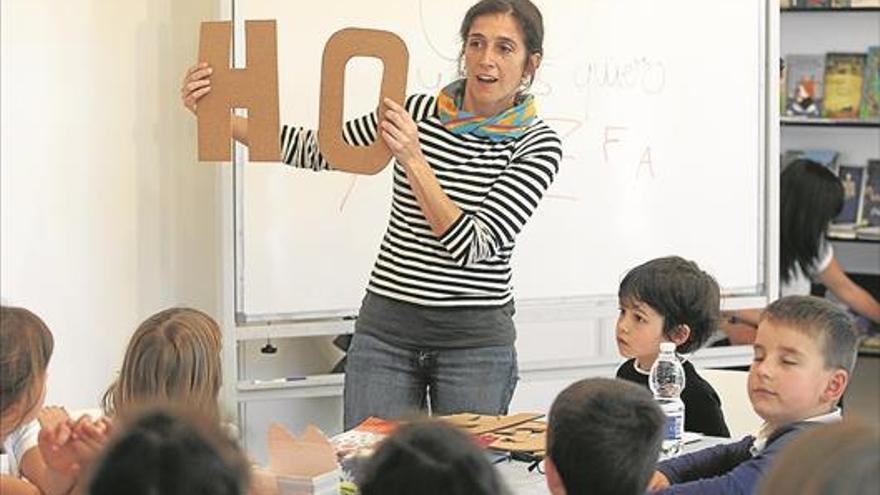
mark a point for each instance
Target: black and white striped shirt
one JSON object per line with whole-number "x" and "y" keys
{"x": 497, "y": 185}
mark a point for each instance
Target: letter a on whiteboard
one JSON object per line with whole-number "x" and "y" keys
{"x": 254, "y": 87}
{"x": 341, "y": 47}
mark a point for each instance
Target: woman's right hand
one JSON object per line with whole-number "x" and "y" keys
{"x": 196, "y": 84}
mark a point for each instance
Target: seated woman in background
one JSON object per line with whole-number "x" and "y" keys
{"x": 810, "y": 197}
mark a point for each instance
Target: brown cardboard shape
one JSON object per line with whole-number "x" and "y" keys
{"x": 477, "y": 424}
{"x": 525, "y": 437}
{"x": 341, "y": 47}
{"x": 254, "y": 87}
{"x": 309, "y": 456}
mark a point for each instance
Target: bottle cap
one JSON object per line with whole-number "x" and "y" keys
{"x": 667, "y": 346}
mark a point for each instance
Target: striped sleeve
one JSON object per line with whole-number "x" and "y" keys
{"x": 299, "y": 145}
{"x": 482, "y": 234}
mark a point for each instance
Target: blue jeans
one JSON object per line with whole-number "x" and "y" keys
{"x": 388, "y": 381}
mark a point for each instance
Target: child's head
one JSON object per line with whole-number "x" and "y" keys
{"x": 25, "y": 348}
{"x": 830, "y": 459}
{"x": 433, "y": 456}
{"x": 173, "y": 451}
{"x": 603, "y": 437}
{"x": 666, "y": 299}
{"x": 805, "y": 351}
{"x": 810, "y": 196}
{"x": 173, "y": 356}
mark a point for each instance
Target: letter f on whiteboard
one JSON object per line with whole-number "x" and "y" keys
{"x": 254, "y": 87}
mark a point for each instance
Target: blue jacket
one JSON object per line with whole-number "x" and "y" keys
{"x": 728, "y": 469}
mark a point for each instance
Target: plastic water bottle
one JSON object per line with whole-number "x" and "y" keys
{"x": 667, "y": 382}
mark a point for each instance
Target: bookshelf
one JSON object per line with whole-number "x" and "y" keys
{"x": 830, "y": 9}
{"x": 823, "y": 122}
{"x": 824, "y": 30}
{"x": 820, "y": 31}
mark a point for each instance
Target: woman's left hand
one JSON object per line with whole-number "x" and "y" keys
{"x": 401, "y": 134}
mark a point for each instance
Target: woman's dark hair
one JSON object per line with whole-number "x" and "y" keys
{"x": 173, "y": 451}
{"x": 810, "y": 197}
{"x": 25, "y": 349}
{"x": 524, "y": 12}
{"x": 429, "y": 458}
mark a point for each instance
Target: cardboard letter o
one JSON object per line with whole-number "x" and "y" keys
{"x": 341, "y": 47}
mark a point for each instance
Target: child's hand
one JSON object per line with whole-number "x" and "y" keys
{"x": 658, "y": 481}
{"x": 263, "y": 482}
{"x": 66, "y": 445}
{"x": 89, "y": 438}
{"x": 53, "y": 439}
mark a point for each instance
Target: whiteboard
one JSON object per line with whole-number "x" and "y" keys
{"x": 660, "y": 107}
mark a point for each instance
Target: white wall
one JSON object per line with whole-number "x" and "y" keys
{"x": 106, "y": 215}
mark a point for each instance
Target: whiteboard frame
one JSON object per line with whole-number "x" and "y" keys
{"x": 594, "y": 305}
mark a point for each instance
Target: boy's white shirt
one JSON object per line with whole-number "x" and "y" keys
{"x": 765, "y": 430}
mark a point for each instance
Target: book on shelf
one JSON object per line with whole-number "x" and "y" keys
{"x": 827, "y": 158}
{"x": 870, "y": 108}
{"x": 839, "y": 4}
{"x": 782, "y": 84}
{"x": 861, "y": 4}
{"x": 844, "y": 73}
{"x": 853, "y": 179}
{"x": 786, "y": 4}
{"x": 814, "y": 4}
{"x": 871, "y": 195}
{"x": 848, "y": 232}
{"x": 804, "y": 88}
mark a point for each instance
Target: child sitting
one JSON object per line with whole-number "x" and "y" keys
{"x": 172, "y": 451}
{"x": 173, "y": 356}
{"x": 429, "y": 458}
{"x": 26, "y": 346}
{"x": 805, "y": 351}
{"x": 603, "y": 437}
{"x": 671, "y": 300}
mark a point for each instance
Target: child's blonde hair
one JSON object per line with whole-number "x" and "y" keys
{"x": 25, "y": 349}
{"x": 173, "y": 356}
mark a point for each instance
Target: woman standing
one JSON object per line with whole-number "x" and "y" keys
{"x": 471, "y": 165}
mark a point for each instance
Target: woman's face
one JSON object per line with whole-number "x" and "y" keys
{"x": 495, "y": 56}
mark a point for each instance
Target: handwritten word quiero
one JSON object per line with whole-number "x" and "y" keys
{"x": 640, "y": 74}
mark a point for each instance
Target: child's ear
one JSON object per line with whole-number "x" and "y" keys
{"x": 680, "y": 334}
{"x": 836, "y": 386}
{"x": 554, "y": 481}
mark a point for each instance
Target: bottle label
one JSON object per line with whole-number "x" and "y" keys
{"x": 674, "y": 427}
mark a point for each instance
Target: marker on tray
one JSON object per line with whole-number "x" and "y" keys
{"x": 279, "y": 380}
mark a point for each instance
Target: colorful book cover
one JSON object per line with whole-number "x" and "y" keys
{"x": 782, "y": 75}
{"x": 824, "y": 157}
{"x": 870, "y": 108}
{"x": 844, "y": 73}
{"x": 804, "y": 90}
{"x": 840, "y": 4}
{"x": 853, "y": 179}
{"x": 816, "y": 4}
{"x": 871, "y": 198}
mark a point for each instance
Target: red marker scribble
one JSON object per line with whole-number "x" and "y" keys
{"x": 569, "y": 125}
{"x": 608, "y": 139}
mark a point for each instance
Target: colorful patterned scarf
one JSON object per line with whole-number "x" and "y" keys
{"x": 510, "y": 123}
